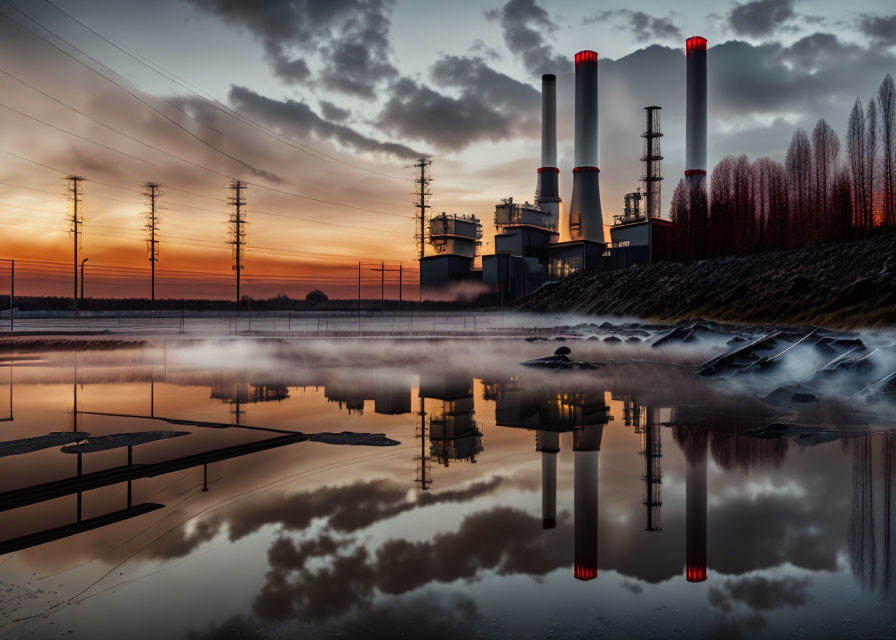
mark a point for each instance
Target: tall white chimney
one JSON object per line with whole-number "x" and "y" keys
{"x": 548, "y": 174}
{"x": 585, "y": 216}
{"x": 695, "y": 128}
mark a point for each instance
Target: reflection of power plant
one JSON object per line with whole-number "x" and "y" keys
{"x": 389, "y": 397}
{"x": 550, "y": 413}
{"x": 235, "y": 391}
{"x": 453, "y": 433}
{"x": 644, "y": 420}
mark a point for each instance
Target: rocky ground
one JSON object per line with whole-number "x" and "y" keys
{"x": 843, "y": 285}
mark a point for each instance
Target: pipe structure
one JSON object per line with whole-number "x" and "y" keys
{"x": 548, "y": 198}
{"x": 695, "y": 124}
{"x": 585, "y": 215}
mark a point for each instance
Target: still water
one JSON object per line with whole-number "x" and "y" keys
{"x": 622, "y": 502}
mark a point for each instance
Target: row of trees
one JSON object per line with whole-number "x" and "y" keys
{"x": 812, "y": 197}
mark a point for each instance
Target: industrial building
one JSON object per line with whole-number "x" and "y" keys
{"x": 542, "y": 242}
{"x": 456, "y": 240}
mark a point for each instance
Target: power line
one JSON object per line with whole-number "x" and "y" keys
{"x": 99, "y": 144}
{"x": 120, "y": 86}
{"x": 157, "y": 68}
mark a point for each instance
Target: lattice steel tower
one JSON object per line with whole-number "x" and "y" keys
{"x": 652, "y": 158}
{"x": 152, "y": 233}
{"x": 238, "y": 233}
{"x": 422, "y": 192}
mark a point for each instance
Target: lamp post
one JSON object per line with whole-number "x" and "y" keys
{"x": 82, "y": 279}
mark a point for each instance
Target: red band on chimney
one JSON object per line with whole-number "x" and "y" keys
{"x": 695, "y": 172}
{"x": 695, "y": 43}
{"x": 586, "y": 56}
{"x": 549, "y": 170}
{"x": 593, "y": 169}
{"x": 695, "y": 573}
{"x": 581, "y": 572}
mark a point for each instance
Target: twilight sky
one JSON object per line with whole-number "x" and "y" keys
{"x": 360, "y": 88}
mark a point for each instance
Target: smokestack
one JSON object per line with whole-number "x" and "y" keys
{"x": 548, "y": 174}
{"x": 549, "y": 445}
{"x": 695, "y": 499}
{"x": 586, "y": 474}
{"x": 585, "y": 217}
{"x": 695, "y": 144}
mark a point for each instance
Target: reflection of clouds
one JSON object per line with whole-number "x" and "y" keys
{"x": 502, "y": 540}
{"x": 437, "y": 615}
{"x": 760, "y": 593}
{"x": 348, "y": 508}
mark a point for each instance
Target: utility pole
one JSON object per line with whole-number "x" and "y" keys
{"x": 152, "y": 240}
{"x": 382, "y": 269}
{"x": 422, "y": 204}
{"x": 237, "y": 233}
{"x": 359, "y": 297}
{"x": 75, "y": 229}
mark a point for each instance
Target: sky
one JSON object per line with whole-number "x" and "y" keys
{"x": 322, "y": 107}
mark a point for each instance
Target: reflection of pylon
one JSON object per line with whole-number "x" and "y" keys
{"x": 424, "y": 473}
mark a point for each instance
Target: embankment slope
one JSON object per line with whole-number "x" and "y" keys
{"x": 843, "y": 285}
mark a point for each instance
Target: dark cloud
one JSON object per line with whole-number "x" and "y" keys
{"x": 759, "y": 18}
{"x": 489, "y": 105}
{"x": 525, "y": 26}
{"x": 880, "y": 29}
{"x": 642, "y": 25}
{"x": 297, "y": 118}
{"x": 420, "y": 113}
{"x": 351, "y": 37}
{"x": 334, "y": 113}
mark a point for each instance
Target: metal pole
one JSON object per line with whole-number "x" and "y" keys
{"x": 399, "y": 285}
{"x": 359, "y": 297}
{"x": 383, "y": 285}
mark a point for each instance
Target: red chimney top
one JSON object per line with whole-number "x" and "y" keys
{"x": 695, "y": 43}
{"x": 587, "y": 56}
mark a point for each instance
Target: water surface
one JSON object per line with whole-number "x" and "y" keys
{"x": 623, "y": 502}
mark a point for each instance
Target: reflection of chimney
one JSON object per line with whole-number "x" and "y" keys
{"x": 695, "y": 126}
{"x": 695, "y": 492}
{"x": 585, "y": 216}
{"x": 548, "y": 443}
{"x": 586, "y": 444}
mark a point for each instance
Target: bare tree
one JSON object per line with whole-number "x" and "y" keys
{"x": 799, "y": 177}
{"x": 679, "y": 214}
{"x": 826, "y": 148}
{"x": 871, "y": 148}
{"x": 855, "y": 150}
{"x": 886, "y": 98}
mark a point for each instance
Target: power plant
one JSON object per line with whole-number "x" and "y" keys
{"x": 540, "y": 242}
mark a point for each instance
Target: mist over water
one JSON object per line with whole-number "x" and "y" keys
{"x": 627, "y": 499}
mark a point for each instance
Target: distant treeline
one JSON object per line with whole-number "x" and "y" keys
{"x": 812, "y": 197}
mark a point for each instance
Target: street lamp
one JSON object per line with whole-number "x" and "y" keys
{"x": 82, "y": 279}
